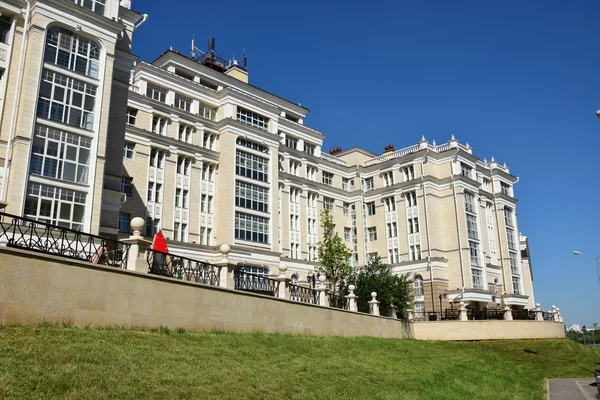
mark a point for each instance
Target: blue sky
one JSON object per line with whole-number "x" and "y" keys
{"x": 517, "y": 80}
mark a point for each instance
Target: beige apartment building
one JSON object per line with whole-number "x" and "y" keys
{"x": 64, "y": 67}
{"x": 210, "y": 159}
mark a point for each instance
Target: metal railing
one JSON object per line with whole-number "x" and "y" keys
{"x": 183, "y": 268}
{"x": 485, "y": 314}
{"x": 41, "y": 237}
{"x": 337, "y": 300}
{"x": 303, "y": 294}
{"x": 255, "y": 283}
{"x": 523, "y": 314}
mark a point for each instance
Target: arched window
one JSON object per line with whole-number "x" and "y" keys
{"x": 418, "y": 285}
{"x": 71, "y": 51}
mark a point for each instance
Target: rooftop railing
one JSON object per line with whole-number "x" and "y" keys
{"x": 29, "y": 234}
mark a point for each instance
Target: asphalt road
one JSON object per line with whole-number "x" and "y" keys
{"x": 572, "y": 389}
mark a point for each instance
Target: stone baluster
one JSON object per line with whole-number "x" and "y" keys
{"x": 322, "y": 291}
{"x": 138, "y": 247}
{"x": 462, "y": 315}
{"x": 538, "y": 313}
{"x": 226, "y": 268}
{"x": 508, "y": 314}
{"x": 351, "y": 297}
{"x": 559, "y": 317}
{"x": 409, "y": 315}
{"x": 554, "y": 314}
{"x": 284, "y": 283}
{"x": 374, "y": 304}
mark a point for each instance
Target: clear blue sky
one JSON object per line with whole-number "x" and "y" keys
{"x": 518, "y": 80}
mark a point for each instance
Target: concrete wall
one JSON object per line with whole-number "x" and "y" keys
{"x": 486, "y": 330}
{"x": 37, "y": 287}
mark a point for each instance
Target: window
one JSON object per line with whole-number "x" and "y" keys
{"x": 182, "y": 102}
{"x": 252, "y": 145}
{"x": 5, "y": 24}
{"x": 418, "y": 285}
{"x": 311, "y": 173}
{"x": 388, "y": 178}
{"x": 311, "y": 200}
{"x": 414, "y": 252}
{"x": 70, "y": 51}
{"x": 328, "y": 203}
{"x": 291, "y": 142}
{"x": 294, "y": 167}
{"x": 472, "y": 227}
{"x": 392, "y": 229}
{"x": 183, "y": 166}
{"x": 327, "y": 178}
{"x": 510, "y": 233}
{"x": 152, "y": 226}
{"x": 156, "y": 92}
{"x": 124, "y": 223}
{"x": 156, "y": 158}
{"x": 185, "y": 133}
{"x": 477, "y": 276}
{"x": 128, "y": 150}
{"x": 207, "y": 111}
{"x": 413, "y": 225}
{"x": 209, "y": 205}
{"x": 408, "y": 173}
{"x": 348, "y": 234}
{"x": 177, "y": 197}
{"x": 346, "y": 208}
{"x": 514, "y": 264}
{"x": 184, "y": 200}
{"x": 60, "y": 155}
{"x": 474, "y": 252}
{"x": 390, "y": 204}
{"x": 253, "y": 119}
{"x": 157, "y": 192}
{"x": 131, "y": 115}
{"x": 508, "y": 216}
{"x": 251, "y": 228}
{"x": 370, "y": 208}
{"x": 180, "y": 232}
{"x": 411, "y": 199}
{"x": 419, "y": 309}
{"x": 465, "y": 170}
{"x": 208, "y": 172}
{"x": 126, "y": 185}
{"x": 253, "y": 269}
{"x": 295, "y": 195}
{"x": 369, "y": 184}
{"x": 251, "y": 166}
{"x": 251, "y": 196}
{"x": 209, "y": 141}
{"x": 309, "y": 148}
{"x": 57, "y": 206}
{"x": 469, "y": 202}
{"x": 66, "y": 100}
{"x": 96, "y": 6}
{"x": 150, "y": 195}
{"x": 487, "y": 184}
{"x": 372, "y": 233}
{"x": 159, "y": 125}
{"x": 516, "y": 283}
{"x": 504, "y": 189}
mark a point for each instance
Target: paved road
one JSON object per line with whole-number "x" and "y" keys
{"x": 572, "y": 389}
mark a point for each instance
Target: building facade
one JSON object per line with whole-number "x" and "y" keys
{"x": 210, "y": 159}
{"x": 65, "y": 77}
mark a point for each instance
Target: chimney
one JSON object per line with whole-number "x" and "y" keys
{"x": 334, "y": 151}
{"x": 237, "y": 72}
{"x": 388, "y": 148}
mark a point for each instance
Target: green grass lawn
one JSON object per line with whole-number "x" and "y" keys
{"x": 48, "y": 361}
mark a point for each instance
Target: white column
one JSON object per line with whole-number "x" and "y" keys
{"x": 374, "y": 304}
{"x": 351, "y": 297}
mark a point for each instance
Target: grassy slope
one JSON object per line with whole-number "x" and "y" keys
{"x": 63, "y": 362}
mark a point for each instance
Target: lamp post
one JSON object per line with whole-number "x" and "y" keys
{"x": 578, "y": 253}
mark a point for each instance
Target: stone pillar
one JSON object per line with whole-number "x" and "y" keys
{"x": 351, "y": 297}
{"x": 393, "y": 308}
{"x": 138, "y": 246}
{"x": 374, "y": 304}
{"x": 507, "y": 314}
{"x": 558, "y": 315}
{"x": 538, "y": 313}
{"x": 284, "y": 282}
{"x": 409, "y": 315}
{"x": 322, "y": 291}
{"x": 226, "y": 268}
{"x": 554, "y": 314}
{"x": 462, "y": 312}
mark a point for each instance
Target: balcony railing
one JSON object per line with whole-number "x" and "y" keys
{"x": 179, "y": 267}
{"x": 41, "y": 237}
{"x": 523, "y": 314}
{"x": 254, "y": 283}
{"x": 303, "y": 294}
{"x": 337, "y": 300}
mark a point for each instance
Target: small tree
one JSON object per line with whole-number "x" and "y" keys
{"x": 333, "y": 254}
{"x": 391, "y": 289}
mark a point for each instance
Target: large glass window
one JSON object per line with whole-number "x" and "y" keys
{"x": 57, "y": 206}
{"x": 97, "y": 6}
{"x": 253, "y": 119}
{"x": 156, "y": 92}
{"x": 5, "y": 25}
{"x": 72, "y": 52}
{"x": 477, "y": 275}
{"x": 66, "y": 100}
{"x": 60, "y": 155}
{"x": 474, "y": 252}
{"x": 516, "y": 283}
{"x": 182, "y": 102}
{"x": 472, "y": 227}
{"x": 251, "y": 196}
{"x": 418, "y": 285}
{"x": 251, "y": 166}
{"x": 251, "y": 228}
{"x": 124, "y": 222}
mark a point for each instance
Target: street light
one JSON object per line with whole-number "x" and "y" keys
{"x": 578, "y": 253}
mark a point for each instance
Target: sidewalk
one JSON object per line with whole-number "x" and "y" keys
{"x": 572, "y": 389}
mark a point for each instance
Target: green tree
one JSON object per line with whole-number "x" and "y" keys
{"x": 333, "y": 254}
{"x": 391, "y": 289}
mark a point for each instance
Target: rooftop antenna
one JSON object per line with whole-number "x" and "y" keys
{"x": 195, "y": 49}
{"x": 245, "y": 60}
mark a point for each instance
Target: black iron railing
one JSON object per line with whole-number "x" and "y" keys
{"x": 485, "y": 314}
{"x": 337, "y": 300}
{"x": 180, "y": 267}
{"x": 255, "y": 283}
{"x": 548, "y": 316}
{"x": 523, "y": 314}
{"x": 32, "y": 235}
{"x": 304, "y": 294}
